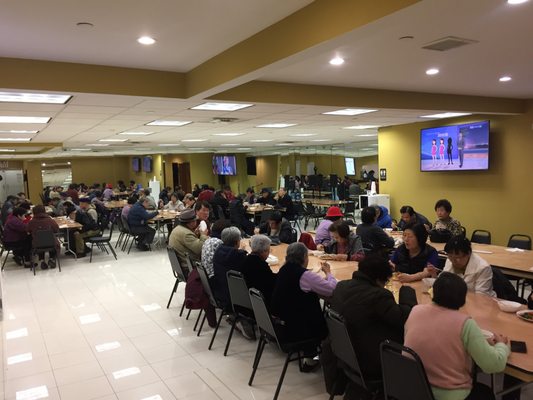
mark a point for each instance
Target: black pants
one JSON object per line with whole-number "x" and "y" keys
{"x": 21, "y": 248}
{"x": 145, "y": 234}
{"x": 480, "y": 392}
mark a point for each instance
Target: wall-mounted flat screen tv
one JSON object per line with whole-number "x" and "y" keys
{"x": 350, "y": 165}
{"x": 224, "y": 165}
{"x": 147, "y": 164}
{"x": 136, "y": 164}
{"x": 462, "y": 147}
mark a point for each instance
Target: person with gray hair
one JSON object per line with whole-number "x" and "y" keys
{"x": 256, "y": 270}
{"x": 229, "y": 256}
{"x": 296, "y": 300}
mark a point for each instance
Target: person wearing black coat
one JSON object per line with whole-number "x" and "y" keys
{"x": 219, "y": 199}
{"x": 256, "y": 270}
{"x": 285, "y": 201}
{"x": 266, "y": 198}
{"x": 372, "y": 236}
{"x": 237, "y": 214}
{"x": 277, "y": 228}
{"x": 370, "y": 311}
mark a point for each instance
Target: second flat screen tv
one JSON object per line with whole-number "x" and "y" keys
{"x": 350, "y": 165}
{"x": 462, "y": 147}
{"x": 147, "y": 164}
{"x": 224, "y": 165}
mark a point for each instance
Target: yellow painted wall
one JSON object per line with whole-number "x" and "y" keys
{"x": 35, "y": 180}
{"x": 360, "y": 161}
{"x": 267, "y": 172}
{"x": 498, "y": 200}
{"x": 99, "y": 169}
{"x": 144, "y": 177}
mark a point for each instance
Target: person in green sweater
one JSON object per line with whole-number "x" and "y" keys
{"x": 448, "y": 340}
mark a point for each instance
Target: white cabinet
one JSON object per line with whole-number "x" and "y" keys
{"x": 377, "y": 199}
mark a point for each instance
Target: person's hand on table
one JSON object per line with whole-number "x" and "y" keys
{"x": 431, "y": 270}
{"x": 392, "y": 265}
{"x": 405, "y": 278}
{"x": 339, "y": 257}
{"x": 325, "y": 267}
{"x": 394, "y": 225}
{"x": 497, "y": 338}
{"x": 320, "y": 247}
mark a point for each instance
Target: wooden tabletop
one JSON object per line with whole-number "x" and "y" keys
{"x": 258, "y": 208}
{"x": 165, "y": 215}
{"x": 326, "y": 202}
{"x": 483, "y": 309}
{"x": 115, "y": 204}
{"x": 65, "y": 223}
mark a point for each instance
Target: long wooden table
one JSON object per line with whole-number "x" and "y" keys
{"x": 484, "y": 309}
{"x": 66, "y": 224}
{"x": 326, "y": 202}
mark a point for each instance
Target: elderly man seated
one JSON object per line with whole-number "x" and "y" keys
{"x": 186, "y": 238}
{"x": 256, "y": 270}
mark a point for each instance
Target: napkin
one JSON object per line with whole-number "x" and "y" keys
{"x": 272, "y": 259}
{"x": 515, "y": 250}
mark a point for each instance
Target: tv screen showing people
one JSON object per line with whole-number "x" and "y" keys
{"x": 455, "y": 147}
{"x": 224, "y": 165}
{"x": 350, "y": 165}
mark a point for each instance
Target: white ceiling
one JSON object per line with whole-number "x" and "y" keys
{"x": 190, "y": 32}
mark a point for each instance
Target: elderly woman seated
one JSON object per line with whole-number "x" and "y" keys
{"x": 345, "y": 246}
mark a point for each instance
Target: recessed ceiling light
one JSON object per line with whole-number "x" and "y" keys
{"x": 261, "y": 140}
{"x": 283, "y": 144}
{"x": 43, "y": 165}
{"x": 350, "y": 111}
{"x": 97, "y": 144}
{"x": 445, "y": 115}
{"x": 361, "y": 127}
{"x": 163, "y": 122}
{"x": 194, "y": 140}
{"x": 336, "y": 61}
{"x": 113, "y": 140}
{"x": 230, "y": 144}
{"x": 505, "y": 78}
{"x": 515, "y": 2}
{"x": 228, "y": 134}
{"x": 136, "y": 133}
{"x": 17, "y": 131}
{"x": 8, "y": 139}
{"x": 244, "y": 148}
{"x": 80, "y": 149}
{"x": 146, "y": 40}
{"x": 278, "y": 125}
{"x": 7, "y": 150}
{"x": 196, "y": 148}
{"x": 11, "y": 97}
{"x": 366, "y": 135}
{"x": 367, "y": 149}
{"x": 303, "y": 134}
{"x": 432, "y": 71}
{"x": 221, "y": 106}
{"x": 320, "y": 140}
{"x": 168, "y": 144}
{"x": 8, "y": 119}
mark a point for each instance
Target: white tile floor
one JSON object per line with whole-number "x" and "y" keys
{"x": 101, "y": 331}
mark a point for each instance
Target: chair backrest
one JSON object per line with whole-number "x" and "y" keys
{"x": 481, "y": 236}
{"x": 262, "y": 316}
{"x": 238, "y": 292}
{"x": 349, "y": 207}
{"x": 404, "y": 376}
{"x": 111, "y": 226}
{"x": 265, "y": 215}
{"x": 503, "y": 288}
{"x": 206, "y": 285}
{"x": 43, "y": 239}
{"x": 125, "y": 224}
{"x": 463, "y": 231}
{"x": 175, "y": 264}
{"x": 520, "y": 241}
{"x": 342, "y": 347}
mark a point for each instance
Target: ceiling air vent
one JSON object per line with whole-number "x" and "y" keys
{"x": 448, "y": 43}
{"x": 218, "y": 120}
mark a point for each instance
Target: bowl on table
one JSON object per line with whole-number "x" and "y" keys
{"x": 428, "y": 283}
{"x": 526, "y": 315}
{"x": 509, "y": 306}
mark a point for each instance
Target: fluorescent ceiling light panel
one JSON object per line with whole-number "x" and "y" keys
{"x": 320, "y": 140}
{"x": 34, "y": 393}
{"x": 154, "y": 397}
{"x": 165, "y": 122}
{"x": 445, "y": 115}
{"x": 230, "y": 144}
{"x": 228, "y": 134}
{"x": 10, "y": 119}
{"x": 8, "y": 139}
{"x": 277, "y": 125}
{"x": 113, "y": 140}
{"x": 221, "y": 106}
{"x": 350, "y": 111}
{"x": 19, "y": 358}
{"x": 194, "y": 140}
{"x": 261, "y": 140}
{"x": 303, "y": 134}
{"x": 136, "y": 133}
{"x": 97, "y": 144}
{"x": 18, "y": 333}
{"x": 7, "y": 150}
{"x": 146, "y": 40}
{"x": 10, "y": 97}
{"x": 80, "y": 149}
{"x": 244, "y": 148}
{"x": 107, "y": 346}
{"x": 432, "y": 71}
{"x": 366, "y": 135}
{"x": 19, "y": 131}
{"x": 361, "y": 127}
{"x": 168, "y": 144}
{"x": 283, "y": 144}
{"x": 90, "y": 318}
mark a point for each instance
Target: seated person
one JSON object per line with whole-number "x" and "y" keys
{"x": 146, "y": 194}
{"x": 174, "y": 204}
{"x": 206, "y": 194}
{"x": 211, "y": 245}
{"x": 323, "y": 235}
{"x": 372, "y": 236}
{"x": 266, "y": 198}
{"x": 383, "y": 220}
{"x": 126, "y": 209}
{"x": 138, "y": 217}
{"x": 203, "y": 209}
{"x": 89, "y": 228}
{"x": 475, "y": 271}
{"x": 354, "y": 191}
{"x": 410, "y": 217}
{"x": 414, "y": 258}
{"x": 220, "y": 200}
{"x": 345, "y": 246}
{"x": 189, "y": 201}
{"x": 228, "y": 256}
{"x": 250, "y": 196}
{"x": 42, "y": 221}
{"x": 449, "y": 342}
{"x": 296, "y": 300}
{"x": 443, "y": 208}
{"x": 16, "y": 236}
{"x": 370, "y": 311}
{"x": 88, "y": 208}
{"x": 277, "y": 228}
{"x": 238, "y": 217}
{"x": 285, "y": 201}
{"x": 256, "y": 270}
{"x": 228, "y": 193}
{"x": 108, "y": 192}
{"x": 187, "y": 238}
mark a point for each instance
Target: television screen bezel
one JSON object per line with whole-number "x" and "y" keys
{"x": 453, "y": 170}
{"x": 151, "y": 163}
{"x": 138, "y": 164}
{"x": 224, "y": 155}
{"x": 345, "y": 166}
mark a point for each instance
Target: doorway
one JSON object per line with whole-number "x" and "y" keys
{"x": 181, "y": 175}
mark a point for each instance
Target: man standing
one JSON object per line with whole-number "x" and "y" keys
{"x": 461, "y": 148}
{"x": 137, "y": 220}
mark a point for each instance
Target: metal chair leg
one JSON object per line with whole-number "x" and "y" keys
{"x": 112, "y": 251}
{"x": 182, "y": 306}
{"x": 282, "y": 377}
{"x": 202, "y": 324}
{"x": 172, "y": 295}
{"x": 197, "y": 320}
{"x": 216, "y": 330}
{"x": 257, "y": 358}
{"x": 234, "y": 322}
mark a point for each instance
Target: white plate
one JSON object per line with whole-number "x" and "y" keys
{"x": 519, "y": 314}
{"x": 487, "y": 334}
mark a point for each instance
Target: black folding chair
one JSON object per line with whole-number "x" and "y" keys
{"x": 481, "y": 236}
{"x": 178, "y": 274}
{"x": 240, "y": 302}
{"x": 520, "y": 241}
{"x": 43, "y": 241}
{"x": 404, "y": 376}
{"x": 268, "y": 334}
{"x": 265, "y": 215}
{"x": 342, "y": 348}
{"x": 9, "y": 247}
{"x": 212, "y": 300}
{"x": 102, "y": 242}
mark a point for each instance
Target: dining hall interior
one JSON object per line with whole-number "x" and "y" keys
{"x": 326, "y": 90}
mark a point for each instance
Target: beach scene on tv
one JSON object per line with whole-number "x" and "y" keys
{"x": 455, "y": 147}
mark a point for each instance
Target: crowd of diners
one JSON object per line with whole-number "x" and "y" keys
{"x": 293, "y": 294}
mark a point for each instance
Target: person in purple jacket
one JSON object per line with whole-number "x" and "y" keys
{"x": 16, "y": 237}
